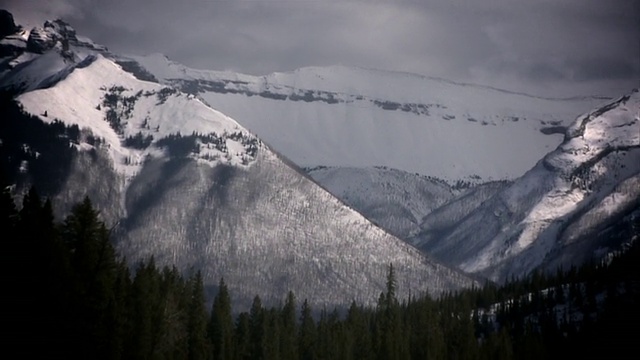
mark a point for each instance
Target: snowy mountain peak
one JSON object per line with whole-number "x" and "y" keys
{"x": 138, "y": 119}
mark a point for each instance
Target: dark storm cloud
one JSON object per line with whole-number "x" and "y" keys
{"x": 512, "y": 43}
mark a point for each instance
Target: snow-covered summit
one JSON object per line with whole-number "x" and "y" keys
{"x": 354, "y": 117}
{"x": 135, "y": 118}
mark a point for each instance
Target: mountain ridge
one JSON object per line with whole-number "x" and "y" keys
{"x": 191, "y": 187}
{"x": 590, "y": 182}
{"x": 349, "y": 117}
{"x": 313, "y": 69}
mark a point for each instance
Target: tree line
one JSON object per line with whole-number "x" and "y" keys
{"x": 68, "y": 294}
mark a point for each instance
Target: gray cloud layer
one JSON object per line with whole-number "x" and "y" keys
{"x": 538, "y": 45}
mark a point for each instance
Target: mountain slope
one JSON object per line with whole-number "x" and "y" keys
{"x": 339, "y": 116}
{"x": 445, "y": 218}
{"x": 565, "y": 210}
{"x": 394, "y": 199}
{"x": 191, "y": 187}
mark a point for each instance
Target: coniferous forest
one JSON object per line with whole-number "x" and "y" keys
{"x": 67, "y": 294}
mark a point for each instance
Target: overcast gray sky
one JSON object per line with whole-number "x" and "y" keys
{"x": 554, "y": 47}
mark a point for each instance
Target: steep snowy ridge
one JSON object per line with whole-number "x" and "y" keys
{"x": 36, "y": 56}
{"x": 555, "y": 214}
{"x": 193, "y": 188}
{"x": 123, "y": 108}
{"x": 352, "y": 117}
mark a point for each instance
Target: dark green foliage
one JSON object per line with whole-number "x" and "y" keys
{"x": 164, "y": 94}
{"x": 67, "y": 295}
{"x": 138, "y": 141}
{"x": 178, "y": 145}
{"x": 289, "y": 328}
{"x": 198, "y": 347}
{"x": 307, "y": 333}
{"x": 119, "y": 108}
{"x": 33, "y": 152}
{"x": 257, "y": 329}
{"x": 242, "y": 337}
{"x": 220, "y": 326}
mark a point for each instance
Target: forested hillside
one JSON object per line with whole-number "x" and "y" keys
{"x": 67, "y": 294}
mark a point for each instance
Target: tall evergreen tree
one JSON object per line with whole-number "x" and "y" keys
{"x": 257, "y": 329}
{"x": 307, "y": 333}
{"x": 145, "y": 305}
{"x": 358, "y": 325}
{"x": 197, "y": 324}
{"x": 220, "y": 326}
{"x": 289, "y": 330}
{"x": 391, "y": 346}
{"x": 93, "y": 264}
{"x": 242, "y": 337}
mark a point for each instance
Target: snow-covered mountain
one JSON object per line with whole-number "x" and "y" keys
{"x": 353, "y": 117}
{"x": 195, "y": 188}
{"x": 189, "y": 185}
{"x": 580, "y": 201}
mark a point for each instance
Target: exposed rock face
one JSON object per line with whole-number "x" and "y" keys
{"x": 58, "y": 33}
{"x": 47, "y": 37}
{"x": 7, "y": 25}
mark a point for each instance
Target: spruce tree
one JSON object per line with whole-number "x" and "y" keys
{"x": 257, "y": 328}
{"x": 289, "y": 329}
{"x": 242, "y": 337}
{"x": 307, "y": 333}
{"x": 198, "y": 348}
{"x": 220, "y": 326}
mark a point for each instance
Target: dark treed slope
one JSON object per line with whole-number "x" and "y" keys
{"x": 69, "y": 295}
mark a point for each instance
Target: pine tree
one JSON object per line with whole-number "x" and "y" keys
{"x": 272, "y": 326}
{"x": 145, "y": 305}
{"x": 25, "y": 263}
{"x": 197, "y": 325}
{"x": 93, "y": 264}
{"x": 307, "y": 333}
{"x": 289, "y": 329}
{"x": 359, "y": 328}
{"x": 242, "y": 337}
{"x": 118, "y": 325}
{"x": 257, "y": 329}
{"x": 220, "y": 327}
{"x": 391, "y": 346}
